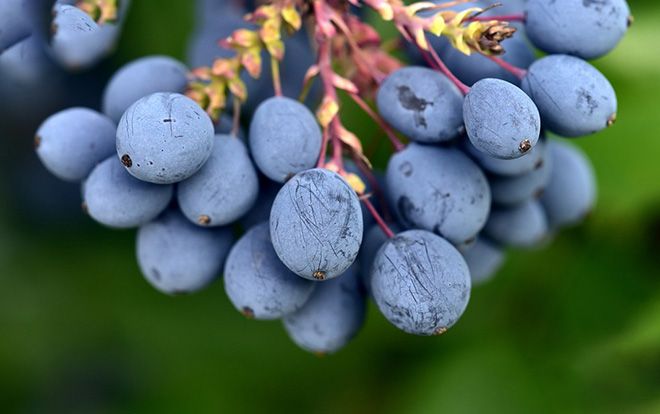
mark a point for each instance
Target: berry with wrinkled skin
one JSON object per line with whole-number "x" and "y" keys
{"x": 316, "y": 224}
{"x": 71, "y": 142}
{"x": 140, "y": 78}
{"x": 519, "y": 188}
{"x": 332, "y": 317}
{"x": 573, "y": 97}
{"x": 484, "y": 259}
{"x": 224, "y": 189}
{"x": 571, "y": 191}
{"x": 584, "y": 28}
{"x": 524, "y": 225}
{"x": 439, "y": 190}
{"x": 176, "y": 256}
{"x": 164, "y": 138}
{"x": 422, "y": 104}
{"x": 115, "y": 198}
{"x": 500, "y": 119}
{"x": 284, "y": 138}
{"x": 420, "y": 282}
{"x": 257, "y": 282}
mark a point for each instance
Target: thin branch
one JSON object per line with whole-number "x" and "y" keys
{"x": 396, "y": 143}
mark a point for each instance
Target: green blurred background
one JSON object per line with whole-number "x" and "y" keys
{"x": 574, "y": 327}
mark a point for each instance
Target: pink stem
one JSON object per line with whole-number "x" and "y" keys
{"x": 379, "y": 220}
{"x": 336, "y": 144}
{"x": 448, "y": 73}
{"x": 373, "y": 182}
{"x": 324, "y": 149}
{"x": 514, "y": 70}
{"x": 396, "y": 143}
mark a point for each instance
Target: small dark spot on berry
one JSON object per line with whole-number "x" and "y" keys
{"x": 631, "y": 20}
{"x": 127, "y": 161}
{"x": 440, "y": 331}
{"x": 524, "y": 146}
{"x": 155, "y": 273}
{"x": 204, "y": 220}
{"x": 37, "y": 141}
{"x": 538, "y": 164}
{"x": 611, "y": 120}
{"x": 248, "y": 312}
{"x": 319, "y": 275}
{"x": 406, "y": 169}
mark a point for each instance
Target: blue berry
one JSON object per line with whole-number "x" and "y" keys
{"x": 571, "y": 191}
{"x": 164, "y": 138}
{"x": 28, "y": 62}
{"x": 140, "y": 78}
{"x": 78, "y": 41}
{"x": 484, "y": 259}
{"x": 257, "y": 282}
{"x": 500, "y": 119}
{"x": 176, "y": 256}
{"x": 573, "y": 97}
{"x": 584, "y": 28}
{"x": 224, "y": 189}
{"x": 422, "y": 104}
{"x": 331, "y": 317}
{"x": 523, "y": 225}
{"x": 420, "y": 282}
{"x": 13, "y": 23}
{"x": 519, "y": 188}
{"x": 116, "y": 199}
{"x": 439, "y": 190}
{"x": 284, "y": 138}
{"x": 316, "y": 224}
{"x": 71, "y": 142}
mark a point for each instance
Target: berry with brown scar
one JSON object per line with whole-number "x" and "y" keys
{"x": 164, "y": 138}
{"x": 500, "y": 119}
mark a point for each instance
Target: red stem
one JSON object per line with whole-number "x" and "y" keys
{"x": 396, "y": 143}
{"x": 514, "y": 70}
{"x": 445, "y": 70}
{"x": 275, "y": 72}
{"x": 373, "y": 182}
{"x": 379, "y": 220}
{"x": 324, "y": 149}
{"x": 434, "y": 61}
{"x": 336, "y": 144}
